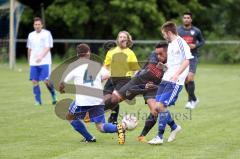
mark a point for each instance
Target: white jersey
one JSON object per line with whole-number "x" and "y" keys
{"x": 81, "y": 77}
{"x": 178, "y": 51}
{"x": 37, "y": 42}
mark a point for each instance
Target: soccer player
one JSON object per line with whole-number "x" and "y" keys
{"x": 82, "y": 75}
{"x": 39, "y": 44}
{"x": 121, "y": 61}
{"x": 178, "y": 56}
{"x": 193, "y": 36}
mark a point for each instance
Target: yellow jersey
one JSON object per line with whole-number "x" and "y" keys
{"x": 121, "y": 62}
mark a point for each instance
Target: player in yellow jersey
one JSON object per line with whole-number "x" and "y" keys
{"x": 122, "y": 62}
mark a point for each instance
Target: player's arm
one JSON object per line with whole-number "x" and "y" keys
{"x": 62, "y": 83}
{"x": 200, "y": 39}
{"x": 180, "y": 70}
{"x": 29, "y": 54}
{"x": 108, "y": 59}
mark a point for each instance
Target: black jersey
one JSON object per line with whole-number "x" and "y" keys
{"x": 192, "y": 36}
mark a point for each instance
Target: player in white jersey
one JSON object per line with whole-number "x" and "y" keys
{"x": 87, "y": 76}
{"x": 173, "y": 80}
{"x": 39, "y": 44}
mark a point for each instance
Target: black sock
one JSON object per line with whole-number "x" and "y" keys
{"x": 114, "y": 115}
{"x": 186, "y": 87}
{"x": 191, "y": 89}
{"x": 149, "y": 123}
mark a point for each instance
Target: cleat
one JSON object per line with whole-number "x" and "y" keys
{"x": 38, "y": 104}
{"x": 156, "y": 141}
{"x": 174, "y": 133}
{"x": 188, "y": 105}
{"x": 141, "y": 139}
{"x": 195, "y": 103}
{"x": 121, "y": 134}
{"x": 54, "y": 102}
{"x": 87, "y": 141}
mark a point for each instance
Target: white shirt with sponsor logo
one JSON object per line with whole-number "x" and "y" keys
{"x": 178, "y": 51}
{"x": 81, "y": 77}
{"x": 37, "y": 42}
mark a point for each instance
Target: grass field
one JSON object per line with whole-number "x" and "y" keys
{"x": 210, "y": 131}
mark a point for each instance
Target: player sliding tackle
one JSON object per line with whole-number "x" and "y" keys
{"x": 145, "y": 81}
{"x": 89, "y": 74}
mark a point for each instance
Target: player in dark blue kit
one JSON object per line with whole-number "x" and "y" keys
{"x": 193, "y": 36}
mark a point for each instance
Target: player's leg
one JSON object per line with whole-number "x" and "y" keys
{"x": 167, "y": 95}
{"x": 34, "y": 77}
{"x": 74, "y": 116}
{"x": 44, "y": 76}
{"x": 151, "y": 119}
{"x": 117, "y": 83}
{"x": 190, "y": 84}
{"x": 97, "y": 115}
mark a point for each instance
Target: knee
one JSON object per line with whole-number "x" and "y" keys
{"x": 99, "y": 127}
{"x": 70, "y": 117}
{"x": 35, "y": 83}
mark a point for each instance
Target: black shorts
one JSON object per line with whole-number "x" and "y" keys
{"x": 137, "y": 84}
{"x": 193, "y": 64}
{"x": 115, "y": 83}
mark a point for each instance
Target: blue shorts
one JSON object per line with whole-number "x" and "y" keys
{"x": 40, "y": 73}
{"x": 96, "y": 113}
{"x": 168, "y": 92}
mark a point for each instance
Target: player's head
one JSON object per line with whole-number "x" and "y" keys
{"x": 161, "y": 51}
{"x": 37, "y": 24}
{"x": 83, "y": 51}
{"x": 124, "y": 39}
{"x": 187, "y": 19}
{"x": 169, "y": 29}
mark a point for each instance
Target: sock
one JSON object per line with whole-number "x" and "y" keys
{"x": 191, "y": 89}
{"x": 52, "y": 91}
{"x": 162, "y": 122}
{"x": 186, "y": 87}
{"x": 80, "y": 127}
{"x": 37, "y": 94}
{"x": 170, "y": 121}
{"x": 109, "y": 128}
{"x": 149, "y": 123}
{"x": 114, "y": 115}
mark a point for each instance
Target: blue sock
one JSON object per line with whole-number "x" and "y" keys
{"x": 52, "y": 91}
{"x": 162, "y": 122}
{"x": 37, "y": 94}
{"x": 170, "y": 121}
{"x": 109, "y": 128}
{"x": 80, "y": 127}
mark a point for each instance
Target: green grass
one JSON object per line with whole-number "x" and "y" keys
{"x": 210, "y": 131}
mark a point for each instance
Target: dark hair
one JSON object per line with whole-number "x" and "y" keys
{"x": 169, "y": 26}
{"x": 82, "y": 50}
{"x": 163, "y": 44}
{"x": 37, "y": 19}
{"x": 187, "y": 13}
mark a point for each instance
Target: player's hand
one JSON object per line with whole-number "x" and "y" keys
{"x": 39, "y": 59}
{"x": 149, "y": 85}
{"x": 174, "y": 78}
{"x": 61, "y": 88}
{"x": 192, "y": 46}
{"x": 160, "y": 65}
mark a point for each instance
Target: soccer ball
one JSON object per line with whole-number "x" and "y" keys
{"x": 130, "y": 122}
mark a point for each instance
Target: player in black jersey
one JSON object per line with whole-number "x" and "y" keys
{"x": 193, "y": 36}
